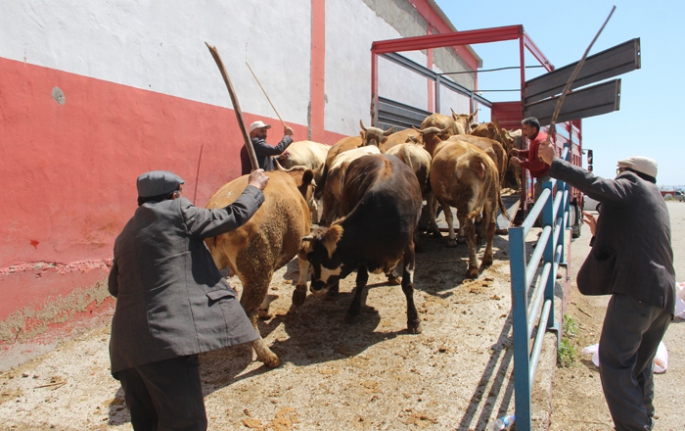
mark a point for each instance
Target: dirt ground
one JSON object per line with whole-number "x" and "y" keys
{"x": 370, "y": 375}
{"x": 336, "y": 376}
{"x": 578, "y": 400}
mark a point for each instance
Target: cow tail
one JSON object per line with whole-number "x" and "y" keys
{"x": 489, "y": 181}
{"x": 318, "y": 190}
{"x": 406, "y": 157}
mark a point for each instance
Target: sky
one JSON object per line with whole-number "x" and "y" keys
{"x": 648, "y": 121}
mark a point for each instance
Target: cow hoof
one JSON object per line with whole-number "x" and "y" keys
{"x": 487, "y": 261}
{"x": 264, "y": 314}
{"x": 472, "y": 273}
{"x": 502, "y": 232}
{"x": 414, "y": 328}
{"x": 461, "y": 240}
{"x": 272, "y": 362}
{"x": 299, "y": 295}
{"x": 394, "y": 281}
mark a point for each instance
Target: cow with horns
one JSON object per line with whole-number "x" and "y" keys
{"x": 382, "y": 203}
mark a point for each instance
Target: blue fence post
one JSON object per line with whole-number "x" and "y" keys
{"x": 519, "y": 299}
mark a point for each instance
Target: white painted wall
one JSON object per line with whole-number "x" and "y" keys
{"x": 159, "y": 46}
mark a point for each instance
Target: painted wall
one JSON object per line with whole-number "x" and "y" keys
{"x": 92, "y": 96}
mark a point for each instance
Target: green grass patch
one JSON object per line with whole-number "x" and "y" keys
{"x": 567, "y": 353}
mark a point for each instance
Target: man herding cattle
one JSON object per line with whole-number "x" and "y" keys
{"x": 262, "y": 149}
{"x": 632, "y": 260}
{"x": 530, "y": 127}
{"x": 172, "y": 301}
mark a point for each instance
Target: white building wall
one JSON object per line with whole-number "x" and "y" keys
{"x": 159, "y": 46}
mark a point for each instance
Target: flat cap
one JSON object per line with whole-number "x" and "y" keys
{"x": 155, "y": 183}
{"x": 640, "y": 164}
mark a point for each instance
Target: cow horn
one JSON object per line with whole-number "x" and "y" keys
{"x": 278, "y": 166}
{"x": 454, "y": 114}
{"x": 389, "y": 131}
{"x": 307, "y": 238}
{"x": 362, "y": 124}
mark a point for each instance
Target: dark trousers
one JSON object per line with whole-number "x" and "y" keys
{"x": 630, "y": 337}
{"x": 165, "y": 395}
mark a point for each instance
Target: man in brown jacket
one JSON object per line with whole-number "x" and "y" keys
{"x": 172, "y": 302}
{"x": 633, "y": 230}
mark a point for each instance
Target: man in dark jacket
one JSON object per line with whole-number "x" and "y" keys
{"x": 262, "y": 149}
{"x": 634, "y": 227}
{"x": 172, "y": 302}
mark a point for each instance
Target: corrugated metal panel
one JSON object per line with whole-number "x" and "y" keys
{"x": 596, "y": 100}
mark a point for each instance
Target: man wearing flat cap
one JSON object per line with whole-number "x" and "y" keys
{"x": 632, "y": 260}
{"x": 262, "y": 149}
{"x": 172, "y": 302}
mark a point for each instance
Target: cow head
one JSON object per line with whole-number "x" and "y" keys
{"x": 374, "y": 135}
{"x": 432, "y": 136}
{"x": 326, "y": 265}
{"x": 464, "y": 120}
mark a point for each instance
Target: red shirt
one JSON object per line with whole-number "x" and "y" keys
{"x": 537, "y": 167}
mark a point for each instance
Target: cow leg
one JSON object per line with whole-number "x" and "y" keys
{"x": 489, "y": 227}
{"x": 452, "y": 240}
{"x": 431, "y": 210}
{"x": 470, "y": 231}
{"x": 408, "y": 262}
{"x": 300, "y": 293}
{"x": 359, "y": 297}
{"x": 252, "y": 300}
{"x": 393, "y": 278}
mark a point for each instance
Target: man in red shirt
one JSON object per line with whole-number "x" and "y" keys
{"x": 530, "y": 127}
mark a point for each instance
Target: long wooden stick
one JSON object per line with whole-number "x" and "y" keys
{"x": 267, "y": 96}
{"x": 552, "y": 126}
{"x": 236, "y": 106}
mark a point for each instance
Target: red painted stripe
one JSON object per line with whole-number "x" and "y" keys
{"x": 68, "y": 171}
{"x": 318, "y": 71}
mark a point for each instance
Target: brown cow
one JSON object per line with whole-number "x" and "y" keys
{"x": 268, "y": 241}
{"x": 463, "y": 122}
{"x": 401, "y": 137}
{"x": 493, "y": 149}
{"x": 443, "y": 122}
{"x": 465, "y": 177}
{"x": 333, "y": 188}
{"x": 382, "y": 200}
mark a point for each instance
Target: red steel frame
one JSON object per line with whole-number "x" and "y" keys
{"x": 470, "y": 37}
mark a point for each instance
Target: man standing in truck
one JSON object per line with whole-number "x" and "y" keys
{"x": 530, "y": 127}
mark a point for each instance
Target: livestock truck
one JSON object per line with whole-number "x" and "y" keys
{"x": 538, "y": 96}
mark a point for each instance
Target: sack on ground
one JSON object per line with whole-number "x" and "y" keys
{"x": 660, "y": 360}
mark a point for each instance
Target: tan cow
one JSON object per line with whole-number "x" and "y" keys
{"x": 463, "y": 122}
{"x": 465, "y": 177}
{"x": 419, "y": 161}
{"x": 332, "y": 194}
{"x": 492, "y": 148}
{"x": 311, "y": 155}
{"x": 268, "y": 241}
{"x": 445, "y": 123}
{"x": 397, "y": 138}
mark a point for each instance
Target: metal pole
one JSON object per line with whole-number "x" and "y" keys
{"x": 236, "y": 106}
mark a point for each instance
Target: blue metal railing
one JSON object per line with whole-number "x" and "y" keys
{"x": 536, "y": 304}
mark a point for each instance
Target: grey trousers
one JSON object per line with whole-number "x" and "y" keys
{"x": 165, "y": 395}
{"x": 630, "y": 337}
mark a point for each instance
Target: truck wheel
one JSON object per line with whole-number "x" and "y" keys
{"x": 574, "y": 216}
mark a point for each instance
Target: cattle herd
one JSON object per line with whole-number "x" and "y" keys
{"x": 360, "y": 205}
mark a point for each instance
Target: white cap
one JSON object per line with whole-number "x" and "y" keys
{"x": 641, "y": 164}
{"x": 259, "y": 125}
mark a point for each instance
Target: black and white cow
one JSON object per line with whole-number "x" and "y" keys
{"x": 382, "y": 203}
